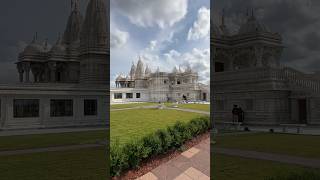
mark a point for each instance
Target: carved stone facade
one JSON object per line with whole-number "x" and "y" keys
{"x": 248, "y": 73}
{"x": 66, "y": 85}
{"x": 77, "y": 56}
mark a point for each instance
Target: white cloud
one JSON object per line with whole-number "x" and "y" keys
{"x": 201, "y": 27}
{"x": 118, "y": 38}
{"x": 150, "y": 13}
{"x": 152, "y": 45}
{"x": 198, "y": 59}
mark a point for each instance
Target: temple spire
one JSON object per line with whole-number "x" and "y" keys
{"x": 94, "y": 29}
{"x": 252, "y": 14}
{"x": 74, "y": 5}
{"x": 223, "y": 18}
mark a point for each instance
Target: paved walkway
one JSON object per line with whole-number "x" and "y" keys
{"x": 179, "y": 109}
{"x": 193, "y": 164}
{"x": 307, "y": 162}
{"x": 49, "y": 149}
{"x": 191, "y": 110}
{"x": 137, "y": 107}
{"x": 49, "y": 131}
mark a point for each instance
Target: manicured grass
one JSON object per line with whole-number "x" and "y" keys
{"x": 131, "y": 124}
{"x": 289, "y": 144}
{"x": 77, "y": 164}
{"x": 131, "y": 105}
{"x": 236, "y": 168}
{"x": 48, "y": 140}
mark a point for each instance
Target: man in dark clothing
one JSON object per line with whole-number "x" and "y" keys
{"x": 235, "y": 112}
{"x": 241, "y": 115}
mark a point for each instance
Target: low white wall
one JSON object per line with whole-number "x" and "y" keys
{"x": 144, "y": 95}
{"x": 8, "y": 121}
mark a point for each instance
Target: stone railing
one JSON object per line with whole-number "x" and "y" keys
{"x": 300, "y": 80}
{"x": 294, "y": 79}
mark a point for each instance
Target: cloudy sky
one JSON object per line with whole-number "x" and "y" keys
{"x": 165, "y": 33}
{"x": 298, "y": 21}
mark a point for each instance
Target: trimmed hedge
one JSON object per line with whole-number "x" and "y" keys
{"x": 306, "y": 175}
{"x": 131, "y": 154}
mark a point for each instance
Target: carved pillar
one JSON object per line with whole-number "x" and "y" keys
{"x": 27, "y": 71}
{"x": 35, "y": 72}
{"x": 20, "y": 71}
{"x": 230, "y": 61}
{"x": 53, "y": 69}
{"x": 258, "y": 51}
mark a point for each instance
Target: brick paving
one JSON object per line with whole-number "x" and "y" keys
{"x": 193, "y": 164}
{"x": 307, "y": 162}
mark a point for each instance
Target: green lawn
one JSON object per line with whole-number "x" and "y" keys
{"x": 131, "y": 105}
{"x": 47, "y": 140}
{"x": 236, "y": 168}
{"x": 131, "y": 124}
{"x": 68, "y": 165}
{"x": 289, "y": 144}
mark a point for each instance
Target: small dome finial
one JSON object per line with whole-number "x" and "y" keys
{"x": 59, "y": 40}
{"x": 45, "y": 44}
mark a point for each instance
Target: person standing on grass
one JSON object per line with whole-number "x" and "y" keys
{"x": 235, "y": 113}
{"x": 241, "y": 115}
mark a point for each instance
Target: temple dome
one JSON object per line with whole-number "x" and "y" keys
{"x": 120, "y": 77}
{"x": 59, "y": 47}
{"x": 33, "y": 48}
{"x": 252, "y": 26}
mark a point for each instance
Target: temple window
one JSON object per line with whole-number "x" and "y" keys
{"x": 26, "y": 108}
{"x": 90, "y": 107}
{"x": 117, "y": 95}
{"x": 129, "y": 95}
{"x": 219, "y": 67}
{"x": 61, "y": 107}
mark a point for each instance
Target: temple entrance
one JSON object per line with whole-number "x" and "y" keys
{"x": 302, "y": 105}
{"x": 219, "y": 67}
{"x": 204, "y": 96}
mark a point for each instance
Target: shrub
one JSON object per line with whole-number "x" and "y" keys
{"x": 176, "y": 136}
{"x": 118, "y": 160}
{"x": 131, "y": 154}
{"x": 152, "y": 144}
{"x": 165, "y": 139}
{"x": 135, "y": 152}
